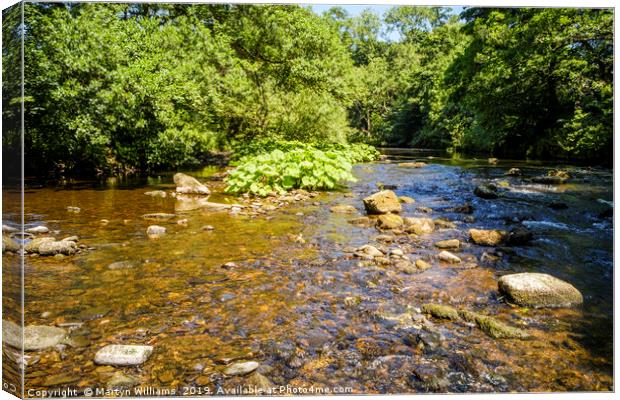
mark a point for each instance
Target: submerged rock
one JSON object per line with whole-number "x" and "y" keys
{"x": 368, "y": 251}
{"x": 422, "y": 265}
{"x": 389, "y": 221}
{"x": 444, "y": 223}
{"x": 242, "y": 368}
{"x": 488, "y": 237}
{"x": 121, "y": 265}
{"x": 118, "y": 354}
{"x": 65, "y": 247}
{"x": 35, "y": 337}
{"x": 514, "y": 172}
{"x": 539, "y": 290}
{"x": 417, "y": 164}
{"x": 558, "y": 205}
{"x": 189, "y": 185}
{"x": 520, "y": 236}
{"x": 419, "y": 226}
{"x": 464, "y": 209}
{"x": 121, "y": 381}
{"x": 441, "y": 311}
{"x": 159, "y": 216}
{"x": 382, "y": 203}
{"x": 343, "y": 209}
{"x": 449, "y": 257}
{"x": 493, "y": 327}
{"x": 406, "y": 199}
{"x": 361, "y": 221}
{"x": 156, "y": 193}
{"x": 487, "y": 191}
{"x": 155, "y": 230}
{"x": 448, "y": 244}
{"x": 72, "y": 209}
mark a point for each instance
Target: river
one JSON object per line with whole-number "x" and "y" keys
{"x": 296, "y": 301}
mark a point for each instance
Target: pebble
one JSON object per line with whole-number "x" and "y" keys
{"x": 73, "y": 209}
{"x": 121, "y": 265}
{"x": 207, "y": 228}
{"x": 155, "y": 230}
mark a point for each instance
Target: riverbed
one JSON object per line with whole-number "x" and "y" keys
{"x": 293, "y": 298}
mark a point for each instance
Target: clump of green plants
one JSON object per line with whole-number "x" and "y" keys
{"x": 277, "y": 171}
{"x": 355, "y": 152}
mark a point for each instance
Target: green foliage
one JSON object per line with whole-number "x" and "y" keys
{"x": 354, "y": 153}
{"x": 279, "y": 171}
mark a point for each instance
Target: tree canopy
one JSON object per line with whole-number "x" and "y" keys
{"x": 122, "y": 87}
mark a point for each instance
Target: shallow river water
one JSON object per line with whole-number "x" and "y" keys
{"x": 316, "y": 318}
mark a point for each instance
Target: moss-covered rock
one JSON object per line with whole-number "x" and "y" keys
{"x": 441, "y": 311}
{"x": 492, "y": 327}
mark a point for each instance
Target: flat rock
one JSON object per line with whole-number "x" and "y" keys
{"x": 488, "y": 237}
{"x": 448, "y": 244}
{"x": 189, "y": 185}
{"x": 9, "y": 229}
{"x": 121, "y": 265}
{"x": 38, "y": 229}
{"x": 119, "y": 354}
{"x": 36, "y": 337}
{"x": 418, "y": 164}
{"x": 539, "y": 290}
{"x": 159, "y": 216}
{"x": 382, "y": 202}
{"x": 441, "y": 311}
{"x": 389, "y": 221}
{"x": 449, "y": 257}
{"x": 156, "y": 193}
{"x": 73, "y": 209}
{"x": 368, "y": 251}
{"x": 422, "y": 265}
{"x": 242, "y": 368}
{"x": 343, "y": 209}
{"x": 419, "y": 226}
{"x": 492, "y": 326}
{"x": 64, "y": 247}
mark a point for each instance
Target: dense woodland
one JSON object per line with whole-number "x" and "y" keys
{"x": 116, "y": 87}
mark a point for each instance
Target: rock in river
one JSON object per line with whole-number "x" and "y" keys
{"x": 539, "y": 290}
{"x": 368, "y": 251}
{"x": 493, "y": 327}
{"x": 389, "y": 221}
{"x": 121, "y": 381}
{"x": 488, "y": 191}
{"x": 449, "y": 257}
{"x": 406, "y": 199}
{"x": 156, "y": 193}
{"x": 121, "y": 265}
{"x": 155, "y": 230}
{"x": 34, "y": 244}
{"x": 242, "y": 368}
{"x": 38, "y": 229}
{"x": 488, "y": 237}
{"x": 51, "y": 248}
{"x": 382, "y": 203}
{"x": 553, "y": 177}
{"x": 189, "y": 185}
{"x": 441, "y": 311}
{"x": 417, "y": 164}
{"x": 419, "y": 226}
{"x": 9, "y": 244}
{"x": 159, "y": 216}
{"x": 343, "y": 209}
{"x": 448, "y": 244}
{"x": 118, "y": 354}
{"x": 36, "y": 337}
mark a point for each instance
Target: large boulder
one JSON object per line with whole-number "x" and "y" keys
{"x": 189, "y": 185}
{"x": 419, "y": 226}
{"x": 382, "y": 202}
{"x": 488, "y": 191}
{"x": 488, "y": 237}
{"x": 539, "y": 290}
{"x": 389, "y": 221}
{"x": 35, "y": 337}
